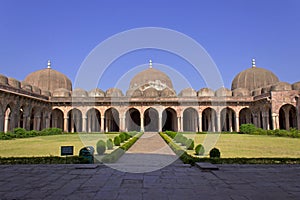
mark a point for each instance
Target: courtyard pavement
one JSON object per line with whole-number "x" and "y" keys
{"x": 174, "y": 181}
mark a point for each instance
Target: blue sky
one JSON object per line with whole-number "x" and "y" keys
{"x": 231, "y": 31}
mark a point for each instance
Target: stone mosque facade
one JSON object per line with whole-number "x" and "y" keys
{"x": 46, "y": 99}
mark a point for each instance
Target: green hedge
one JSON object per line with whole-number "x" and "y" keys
{"x": 22, "y": 133}
{"x": 117, "y": 153}
{"x": 43, "y": 160}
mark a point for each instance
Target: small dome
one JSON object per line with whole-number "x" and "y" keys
{"x": 78, "y": 92}
{"x": 46, "y": 93}
{"x": 36, "y": 90}
{"x": 26, "y": 86}
{"x": 167, "y": 92}
{"x": 150, "y": 92}
{"x": 281, "y": 86}
{"x": 151, "y": 78}
{"x": 3, "y": 80}
{"x": 254, "y": 78}
{"x": 265, "y": 90}
{"x": 223, "y": 92}
{"x": 188, "y": 92}
{"x": 14, "y": 83}
{"x": 96, "y": 93}
{"x": 256, "y": 92}
{"x": 61, "y": 92}
{"x": 206, "y": 92}
{"x": 134, "y": 93}
{"x": 48, "y": 79}
{"x": 114, "y": 92}
{"x": 296, "y": 86}
{"x": 241, "y": 92}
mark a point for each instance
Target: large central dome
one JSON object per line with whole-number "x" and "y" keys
{"x": 254, "y": 78}
{"x": 151, "y": 78}
{"x": 48, "y": 79}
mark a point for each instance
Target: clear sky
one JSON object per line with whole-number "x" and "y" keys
{"x": 231, "y": 31}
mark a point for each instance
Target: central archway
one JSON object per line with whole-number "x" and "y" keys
{"x": 133, "y": 120}
{"x": 151, "y": 120}
{"x": 169, "y": 121}
{"x": 190, "y": 120}
{"x": 112, "y": 120}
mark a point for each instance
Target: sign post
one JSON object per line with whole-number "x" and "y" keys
{"x": 66, "y": 151}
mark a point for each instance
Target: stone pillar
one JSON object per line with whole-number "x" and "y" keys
{"x": 230, "y": 122}
{"x": 159, "y": 122}
{"x": 237, "y": 123}
{"x": 66, "y": 119}
{"x": 181, "y": 124}
{"x": 142, "y": 122}
{"x": 218, "y": 128}
{"x": 47, "y": 118}
{"x": 178, "y": 124}
{"x": 122, "y": 123}
{"x": 102, "y": 124}
{"x": 6, "y": 124}
{"x": 1, "y": 123}
{"x": 84, "y": 124}
{"x": 200, "y": 122}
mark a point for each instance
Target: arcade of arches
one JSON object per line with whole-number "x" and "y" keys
{"x": 46, "y": 99}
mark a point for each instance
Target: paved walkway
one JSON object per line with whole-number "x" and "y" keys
{"x": 175, "y": 181}
{"x": 148, "y": 154}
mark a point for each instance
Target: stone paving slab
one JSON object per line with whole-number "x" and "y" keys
{"x": 172, "y": 182}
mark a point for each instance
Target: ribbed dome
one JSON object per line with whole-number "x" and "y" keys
{"x": 254, "y": 78}
{"x": 151, "y": 78}
{"x": 48, "y": 79}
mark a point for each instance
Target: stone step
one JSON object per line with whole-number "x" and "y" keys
{"x": 206, "y": 166}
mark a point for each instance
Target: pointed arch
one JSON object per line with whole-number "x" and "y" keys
{"x": 209, "y": 120}
{"x": 228, "y": 120}
{"x": 75, "y": 120}
{"x": 57, "y": 119}
{"x": 169, "y": 120}
{"x": 93, "y": 120}
{"x": 151, "y": 120}
{"x": 112, "y": 120}
{"x": 287, "y": 117}
{"x": 190, "y": 120}
{"x": 133, "y": 120}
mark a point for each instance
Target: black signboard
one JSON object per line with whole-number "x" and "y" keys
{"x": 66, "y": 150}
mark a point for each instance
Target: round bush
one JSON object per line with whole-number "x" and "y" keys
{"x": 214, "y": 153}
{"x": 109, "y": 144}
{"x": 117, "y": 141}
{"x": 247, "y": 128}
{"x": 122, "y": 137}
{"x": 101, "y": 147}
{"x": 199, "y": 150}
{"x": 127, "y": 136}
{"x": 189, "y": 144}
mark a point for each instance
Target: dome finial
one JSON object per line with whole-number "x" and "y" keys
{"x": 253, "y": 63}
{"x": 150, "y": 64}
{"x": 49, "y": 64}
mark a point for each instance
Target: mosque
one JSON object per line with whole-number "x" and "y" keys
{"x": 45, "y": 99}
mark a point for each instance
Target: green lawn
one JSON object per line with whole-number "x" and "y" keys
{"x": 230, "y": 145}
{"x": 48, "y": 145}
{"x": 252, "y": 146}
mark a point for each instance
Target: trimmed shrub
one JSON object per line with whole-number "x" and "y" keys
{"x": 109, "y": 144}
{"x": 190, "y": 144}
{"x": 122, "y": 137}
{"x": 214, "y": 153}
{"x": 199, "y": 150}
{"x": 247, "y": 128}
{"x": 101, "y": 147}
{"x": 127, "y": 136}
{"x": 117, "y": 141}
{"x": 19, "y": 132}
